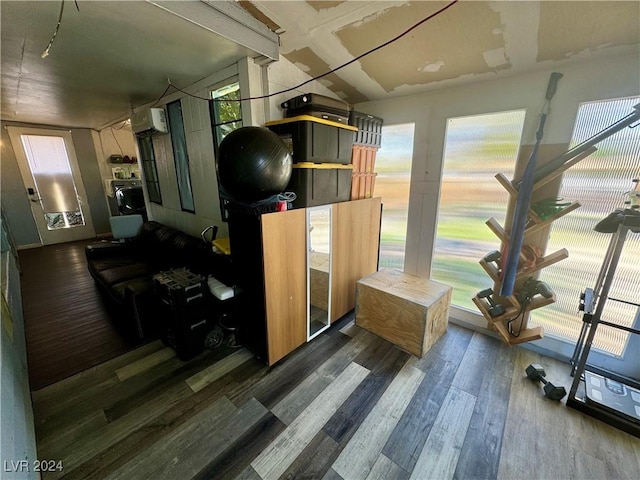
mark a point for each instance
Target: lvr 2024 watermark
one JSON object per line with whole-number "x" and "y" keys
{"x": 21, "y": 466}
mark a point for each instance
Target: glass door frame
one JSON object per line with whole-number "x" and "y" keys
{"x": 49, "y": 237}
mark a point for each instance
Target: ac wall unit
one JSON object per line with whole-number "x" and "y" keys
{"x": 149, "y": 122}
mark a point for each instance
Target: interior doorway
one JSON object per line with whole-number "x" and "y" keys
{"x": 51, "y": 176}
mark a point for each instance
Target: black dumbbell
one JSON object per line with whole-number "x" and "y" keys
{"x": 536, "y": 373}
{"x": 493, "y": 256}
{"x": 495, "y": 310}
{"x": 543, "y": 289}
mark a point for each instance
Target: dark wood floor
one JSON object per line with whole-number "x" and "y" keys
{"x": 68, "y": 328}
{"x": 348, "y": 405}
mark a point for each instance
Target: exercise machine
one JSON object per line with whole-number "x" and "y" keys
{"x": 594, "y": 391}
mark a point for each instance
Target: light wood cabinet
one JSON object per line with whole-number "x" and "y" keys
{"x": 284, "y": 281}
{"x": 355, "y": 248}
{"x": 274, "y": 311}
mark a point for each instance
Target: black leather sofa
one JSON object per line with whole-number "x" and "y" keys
{"x": 124, "y": 271}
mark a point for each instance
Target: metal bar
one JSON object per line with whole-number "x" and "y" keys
{"x": 578, "y": 149}
{"x": 620, "y": 327}
{"x": 625, "y": 301}
{"x": 610, "y": 268}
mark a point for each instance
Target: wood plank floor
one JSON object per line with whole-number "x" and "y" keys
{"x": 68, "y": 328}
{"x": 347, "y": 405}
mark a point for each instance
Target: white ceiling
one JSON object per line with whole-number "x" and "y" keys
{"x": 470, "y": 41}
{"x": 111, "y": 56}
{"x": 108, "y": 56}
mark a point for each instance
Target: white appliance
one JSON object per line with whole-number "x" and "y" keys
{"x": 149, "y": 121}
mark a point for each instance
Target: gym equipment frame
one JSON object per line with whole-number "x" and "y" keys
{"x": 593, "y": 303}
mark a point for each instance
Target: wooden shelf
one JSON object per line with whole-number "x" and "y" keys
{"x": 510, "y": 311}
{"x": 496, "y": 228}
{"x": 513, "y": 310}
{"x": 506, "y": 183}
{"x": 538, "y": 226}
{"x": 526, "y": 335}
{"x": 491, "y": 270}
{"x": 540, "y": 302}
{"x": 536, "y": 223}
{"x": 544, "y": 262}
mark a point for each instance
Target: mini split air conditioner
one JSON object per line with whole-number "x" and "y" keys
{"x": 149, "y": 122}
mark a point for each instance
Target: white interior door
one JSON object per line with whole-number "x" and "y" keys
{"x": 51, "y": 177}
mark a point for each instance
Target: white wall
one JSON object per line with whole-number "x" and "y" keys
{"x": 283, "y": 75}
{"x": 18, "y": 438}
{"x": 115, "y": 140}
{"x": 255, "y": 80}
{"x": 604, "y": 78}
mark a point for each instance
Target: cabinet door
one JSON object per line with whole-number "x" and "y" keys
{"x": 355, "y": 244}
{"x": 285, "y": 281}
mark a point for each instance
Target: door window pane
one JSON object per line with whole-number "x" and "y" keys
{"x": 56, "y": 191}
{"x": 180, "y": 155}
{"x": 599, "y": 183}
{"x": 476, "y": 148}
{"x": 393, "y": 166}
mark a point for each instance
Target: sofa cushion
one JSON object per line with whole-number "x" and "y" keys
{"x": 107, "y": 263}
{"x": 127, "y": 272}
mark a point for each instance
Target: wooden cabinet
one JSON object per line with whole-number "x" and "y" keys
{"x": 355, "y": 248}
{"x": 270, "y": 256}
{"x": 285, "y": 292}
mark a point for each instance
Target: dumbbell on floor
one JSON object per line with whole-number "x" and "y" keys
{"x": 536, "y": 373}
{"x": 495, "y": 310}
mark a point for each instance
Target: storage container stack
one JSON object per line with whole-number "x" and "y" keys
{"x": 365, "y": 147}
{"x": 320, "y": 140}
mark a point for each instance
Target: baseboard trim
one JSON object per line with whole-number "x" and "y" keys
{"x": 27, "y": 246}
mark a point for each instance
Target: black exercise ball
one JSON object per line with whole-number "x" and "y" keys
{"x": 253, "y": 164}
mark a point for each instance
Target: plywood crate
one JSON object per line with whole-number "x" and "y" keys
{"x": 408, "y": 311}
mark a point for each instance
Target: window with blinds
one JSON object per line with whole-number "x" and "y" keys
{"x": 599, "y": 183}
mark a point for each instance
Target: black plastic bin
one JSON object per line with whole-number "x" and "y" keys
{"x": 186, "y": 318}
{"x": 369, "y": 128}
{"x": 315, "y": 140}
{"x": 317, "y": 106}
{"x": 320, "y": 183}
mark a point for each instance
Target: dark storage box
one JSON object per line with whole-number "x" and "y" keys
{"x": 317, "y": 102}
{"x": 338, "y": 117}
{"x": 187, "y": 318}
{"x": 320, "y": 184}
{"x": 315, "y": 140}
{"x": 179, "y": 286}
{"x": 319, "y": 106}
{"x": 369, "y": 128}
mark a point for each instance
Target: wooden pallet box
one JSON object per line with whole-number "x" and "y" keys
{"x": 408, "y": 311}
